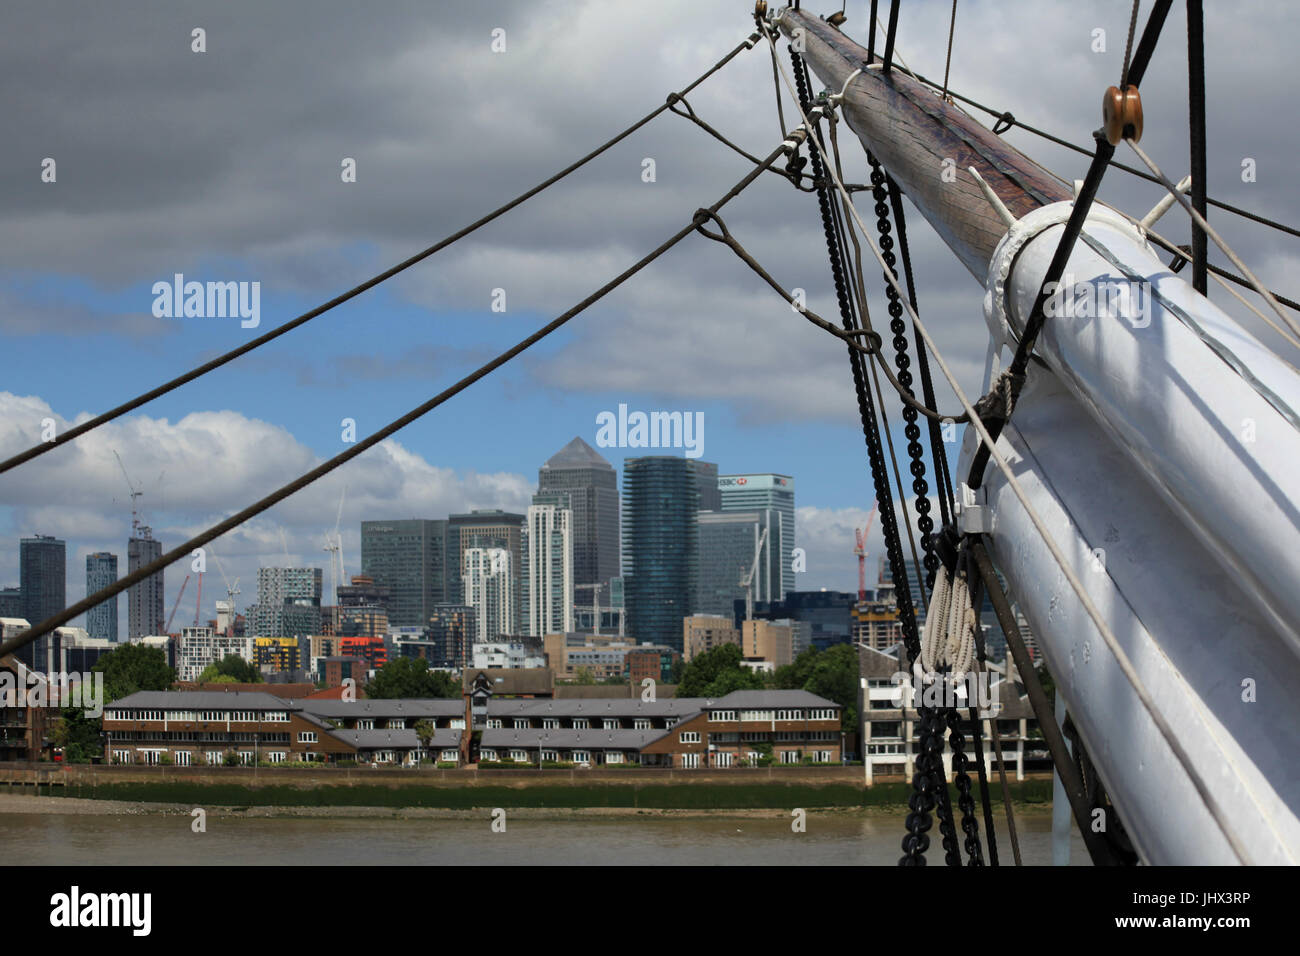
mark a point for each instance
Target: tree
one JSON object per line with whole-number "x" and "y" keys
{"x": 832, "y": 674}
{"x": 78, "y": 735}
{"x": 406, "y": 677}
{"x": 717, "y": 672}
{"x": 134, "y": 667}
{"x": 425, "y": 730}
{"x": 584, "y": 677}
{"x": 231, "y": 669}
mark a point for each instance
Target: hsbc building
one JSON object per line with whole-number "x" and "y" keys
{"x": 752, "y": 492}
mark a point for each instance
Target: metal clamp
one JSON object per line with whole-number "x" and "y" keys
{"x": 973, "y": 513}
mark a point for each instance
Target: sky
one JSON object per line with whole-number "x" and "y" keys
{"x": 226, "y": 165}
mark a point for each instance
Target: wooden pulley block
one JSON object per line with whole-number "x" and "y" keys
{"x": 1121, "y": 114}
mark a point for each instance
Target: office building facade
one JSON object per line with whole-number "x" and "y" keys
{"x": 579, "y": 471}
{"x": 729, "y": 543}
{"x": 101, "y": 571}
{"x": 660, "y": 547}
{"x": 547, "y": 572}
{"x": 489, "y": 584}
{"x": 410, "y": 558}
{"x": 43, "y": 573}
{"x": 758, "y": 492}
{"x": 144, "y": 600}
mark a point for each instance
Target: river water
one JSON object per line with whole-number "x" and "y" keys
{"x": 831, "y": 839}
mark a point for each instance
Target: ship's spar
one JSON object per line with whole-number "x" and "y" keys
{"x": 1138, "y": 443}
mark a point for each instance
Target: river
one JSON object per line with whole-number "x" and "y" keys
{"x": 831, "y": 839}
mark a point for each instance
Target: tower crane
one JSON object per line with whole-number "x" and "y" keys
{"x": 860, "y": 549}
{"x": 747, "y": 582}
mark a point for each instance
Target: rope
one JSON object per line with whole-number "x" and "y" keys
{"x": 1128, "y": 46}
{"x": 1211, "y": 803}
{"x": 1005, "y": 121}
{"x": 1218, "y": 240}
{"x": 889, "y": 35}
{"x": 947, "y": 63}
{"x": 93, "y": 600}
{"x": 143, "y": 399}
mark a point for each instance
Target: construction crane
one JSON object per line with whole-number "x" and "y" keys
{"x": 198, "y": 601}
{"x": 135, "y": 493}
{"x": 595, "y": 600}
{"x": 334, "y": 545}
{"x": 167, "y": 629}
{"x": 227, "y": 605}
{"x": 860, "y": 549}
{"x": 747, "y": 582}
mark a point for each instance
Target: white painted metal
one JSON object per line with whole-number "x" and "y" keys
{"x": 1196, "y": 635}
{"x": 1220, "y": 450}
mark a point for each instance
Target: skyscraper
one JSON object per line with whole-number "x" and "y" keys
{"x": 483, "y": 528}
{"x": 43, "y": 572}
{"x": 755, "y": 492}
{"x": 101, "y": 571}
{"x": 547, "y": 578}
{"x": 579, "y": 471}
{"x": 728, "y": 542}
{"x": 409, "y": 557}
{"x": 660, "y": 500}
{"x": 706, "y": 474}
{"x": 489, "y": 583}
{"x": 144, "y": 600}
{"x": 288, "y": 603}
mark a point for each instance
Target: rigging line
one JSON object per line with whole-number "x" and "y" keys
{"x": 861, "y": 294}
{"x": 1218, "y": 272}
{"x": 153, "y": 567}
{"x": 1128, "y": 47}
{"x": 1218, "y": 240}
{"x": 690, "y": 114}
{"x": 1196, "y": 129}
{"x": 1131, "y": 170}
{"x": 947, "y": 63}
{"x": 943, "y": 479}
{"x": 890, "y": 33}
{"x": 219, "y": 361}
{"x": 725, "y": 237}
{"x": 1108, "y": 636}
{"x": 1147, "y": 45}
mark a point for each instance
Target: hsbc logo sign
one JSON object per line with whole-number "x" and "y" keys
{"x": 755, "y": 482}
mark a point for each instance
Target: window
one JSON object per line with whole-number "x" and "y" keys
{"x": 519, "y": 756}
{"x": 822, "y": 756}
{"x": 246, "y": 756}
{"x": 581, "y": 723}
{"x": 275, "y": 756}
{"x": 789, "y": 715}
{"x": 487, "y": 755}
{"x": 121, "y": 756}
{"x": 722, "y": 760}
{"x": 182, "y": 758}
{"x": 757, "y": 715}
{"x": 581, "y": 756}
{"x": 522, "y": 723}
{"x": 689, "y": 761}
{"x": 690, "y": 737}
{"x": 369, "y": 724}
{"x": 306, "y": 736}
{"x": 722, "y": 715}
{"x": 399, "y": 723}
{"x": 613, "y": 757}
{"x": 550, "y": 723}
{"x": 610, "y": 723}
{"x": 642, "y": 723}
{"x": 451, "y": 755}
{"x": 457, "y": 723}
{"x": 822, "y": 714}
{"x": 789, "y": 756}
{"x": 494, "y": 723}
{"x": 551, "y": 756}
{"x": 216, "y": 757}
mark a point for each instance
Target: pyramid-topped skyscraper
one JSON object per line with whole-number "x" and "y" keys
{"x": 591, "y": 483}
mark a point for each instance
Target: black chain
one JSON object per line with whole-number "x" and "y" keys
{"x": 902, "y": 361}
{"x": 969, "y": 824}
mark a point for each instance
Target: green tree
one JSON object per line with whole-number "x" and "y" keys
{"x": 425, "y": 730}
{"x": 134, "y": 667}
{"x": 584, "y": 677}
{"x": 832, "y": 674}
{"x": 717, "y": 672}
{"x": 406, "y": 677}
{"x": 231, "y": 669}
{"x": 78, "y": 735}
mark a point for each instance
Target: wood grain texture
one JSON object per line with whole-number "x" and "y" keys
{"x": 912, "y": 132}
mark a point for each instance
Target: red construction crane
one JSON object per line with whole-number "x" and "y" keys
{"x": 860, "y": 549}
